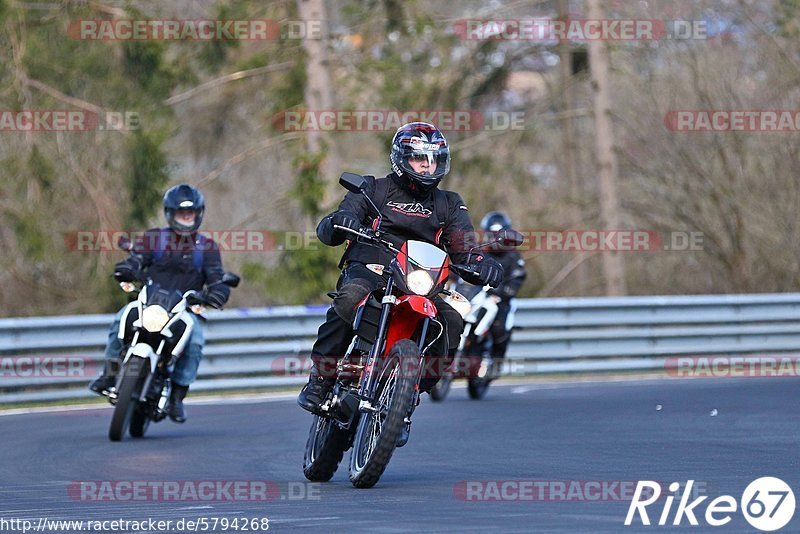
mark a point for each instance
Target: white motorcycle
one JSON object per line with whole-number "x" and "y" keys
{"x": 154, "y": 330}
{"x": 472, "y": 360}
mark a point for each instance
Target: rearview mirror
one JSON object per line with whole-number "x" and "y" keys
{"x": 510, "y": 238}
{"x": 353, "y": 182}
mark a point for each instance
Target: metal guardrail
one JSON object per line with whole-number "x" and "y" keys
{"x": 267, "y": 347}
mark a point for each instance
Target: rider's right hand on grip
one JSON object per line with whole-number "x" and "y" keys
{"x": 484, "y": 271}
{"x": 124, "y": 273}
{"x": 467, "y": 273}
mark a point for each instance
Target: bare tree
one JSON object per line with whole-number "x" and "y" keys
{"x": 318, "y": 94}
{"x": 606, "y": 159}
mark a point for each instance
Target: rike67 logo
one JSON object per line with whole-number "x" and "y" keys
{"x": 767, "y": 504}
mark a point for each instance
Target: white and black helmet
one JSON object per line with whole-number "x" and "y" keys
{"x": 184, "y": 197}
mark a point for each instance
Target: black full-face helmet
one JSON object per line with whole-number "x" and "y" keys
{"x": 420, "y": 141}
{"x": 495, "y": 221}
{"x": 491, "y": 224}
{"x": 184, "y": 197}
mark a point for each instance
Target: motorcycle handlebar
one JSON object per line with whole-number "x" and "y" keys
{"x": 464, "y": 271}
{"x": 366, "y": 234}
{"x": 461, "y": 269}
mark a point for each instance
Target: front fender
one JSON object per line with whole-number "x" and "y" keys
{"x": 144, "y": 351}
{"x": 406, "y": 315}
{"x": 421, "y": 305}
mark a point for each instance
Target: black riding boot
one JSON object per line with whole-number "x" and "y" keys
{"x": 107, "y": 380}
{"x": 315, "y": 391}
{"x": 176, "y": 411}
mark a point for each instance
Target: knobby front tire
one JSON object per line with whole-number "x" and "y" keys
{"x": 377, "y": 433}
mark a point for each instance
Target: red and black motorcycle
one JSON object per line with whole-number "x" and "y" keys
{"x": 378, "y": 377}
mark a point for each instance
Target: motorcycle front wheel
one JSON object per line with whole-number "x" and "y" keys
{"x": 477, "y": 387}
{"x": 378, "y": 430}
{"x": 479, "y": 378}
{"x": 140, "y": 422}
{"x": 127, "y": 397}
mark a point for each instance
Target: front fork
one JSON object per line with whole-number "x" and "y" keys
{"x": 369, "y": 382}
{"x": 368, "y": 385}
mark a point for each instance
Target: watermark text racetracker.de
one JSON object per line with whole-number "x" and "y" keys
{"x": 733, "y": 120}
{"x": 724, "y": 366}
{"x": 192, "y": 491}
{"x": 579, "y": 29}
{"x": 44, "y": 367}
{"x": 431, "y": 366}
{"x": 149, "y": 241}
{"x": 599, "y": 240}
{"x": 383, "y": 120}
{"x": 67, "y": 120}
{"x": 193, "y": 30}
{"x": 550, "y": 490}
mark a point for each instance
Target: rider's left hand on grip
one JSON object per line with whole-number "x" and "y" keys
{"x": 488, "y": 270}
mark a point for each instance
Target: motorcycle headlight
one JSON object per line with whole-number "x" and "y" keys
{"x": 154, "y": 318}
{"x": 419, "y": 282}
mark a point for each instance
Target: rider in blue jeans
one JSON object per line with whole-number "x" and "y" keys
{"x": 176, "y": 258}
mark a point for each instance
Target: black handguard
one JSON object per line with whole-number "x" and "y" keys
{"x": 127, "y": 270}
{"x": 124, "y": 273}
{"x": 213, "y": 299}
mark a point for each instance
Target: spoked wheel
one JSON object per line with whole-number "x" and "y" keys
{"x": 378, "y": 430}
{"x": 324, "y": 449}
{"x": 127, "y": 394}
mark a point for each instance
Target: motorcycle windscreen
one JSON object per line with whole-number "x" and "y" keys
{"x": 166, "y": 298}
{"x": 428, "y": 257}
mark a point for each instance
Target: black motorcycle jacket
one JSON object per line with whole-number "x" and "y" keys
{"x": 405, "y": 216}
{"x": 180, "y": 261}
{"x": 514, "y": 273}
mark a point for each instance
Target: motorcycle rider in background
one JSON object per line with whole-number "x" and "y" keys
{"x": 514, "y": 275}
{"x": 176, "y": 258}
{"x": 412, "y": 207}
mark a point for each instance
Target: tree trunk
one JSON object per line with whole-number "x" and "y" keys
{"x": 613, "y": 268}
{"x": 318, "y": 93}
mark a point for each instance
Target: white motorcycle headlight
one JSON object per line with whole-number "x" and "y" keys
{"x": 154, "y": 318}
{"x": 419, "y": 282}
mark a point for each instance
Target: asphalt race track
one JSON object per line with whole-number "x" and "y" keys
{"x": 465, "y": 468}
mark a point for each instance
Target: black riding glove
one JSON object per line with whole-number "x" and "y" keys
{"x": 125, "y": 272}
{"x": 346, "y": 219}
{"x": 489, "y": 270}
{"x": 213, "y": 299}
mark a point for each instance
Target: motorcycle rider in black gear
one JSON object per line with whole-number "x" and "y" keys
{"x": 176, "y": 258}
{"x": 412, "y": 207}
{"x": 514, "y": 275}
